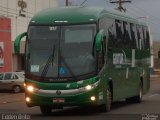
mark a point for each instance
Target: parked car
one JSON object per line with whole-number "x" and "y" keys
{"x": 12, "y": 81}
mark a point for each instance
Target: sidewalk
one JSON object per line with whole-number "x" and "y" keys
{"x": 155, "y": 76}
{"x": 156, "y": 73}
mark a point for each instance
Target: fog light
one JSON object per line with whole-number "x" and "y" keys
{"x": 28, "y": 99}
{"x": 93, "y": 98}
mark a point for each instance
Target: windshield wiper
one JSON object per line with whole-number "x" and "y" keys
{"x": 68, "y": 67}
{"x": 50, "y": 60}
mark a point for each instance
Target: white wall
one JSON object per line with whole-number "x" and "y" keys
{"x": 9, "y": 8}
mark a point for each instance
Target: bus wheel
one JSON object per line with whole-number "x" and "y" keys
{"x": 107, "y": 106}
{"x": 138, "y": 98}
{"x": 45, "y": 110}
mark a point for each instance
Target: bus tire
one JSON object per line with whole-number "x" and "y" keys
{"x": 138, "y": 98}
{"x": 45, "y": 110}
{"x": 107, "y": 106}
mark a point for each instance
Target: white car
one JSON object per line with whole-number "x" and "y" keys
{"x": 12, "y": 81}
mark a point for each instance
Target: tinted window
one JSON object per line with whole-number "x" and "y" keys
{"x": 146, "y": 38}
{"x": 1, "y": 76}
{"x": 20, "y": 74}
{"x": 119, "y": 33}
{"x": 108, "y": 25}
{"x": 127, "y": 41}
{"x": 15, "y": 77}
{"x": 71, "y": 34}
{"x": 7, "y": 76}
{"x": 123, "y": 34}
{"x": 112, "y": 33}
{"x": 65, "y": 51}
{"x": 134, "y": 36}
{"x": 44, "y": 36}
{"x": 140, "y": 37}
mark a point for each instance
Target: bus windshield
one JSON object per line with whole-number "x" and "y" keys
{"x": 61, "y": 51}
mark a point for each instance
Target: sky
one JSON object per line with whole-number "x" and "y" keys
{"x": 146, "y": 10}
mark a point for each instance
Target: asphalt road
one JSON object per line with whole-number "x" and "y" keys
{"x": 149, "y": 109}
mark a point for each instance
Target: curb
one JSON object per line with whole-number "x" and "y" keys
{"x": 155, "y": 76}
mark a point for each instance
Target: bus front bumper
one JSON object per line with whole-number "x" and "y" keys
{"x": 92, "y": 97}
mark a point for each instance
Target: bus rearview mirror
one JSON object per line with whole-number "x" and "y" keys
{"x": 99, "y": 41}
{"x": 17, "y": 42}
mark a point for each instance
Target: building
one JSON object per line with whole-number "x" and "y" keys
{"x": 5, "y": 45}
{"x": 19, "y": 13}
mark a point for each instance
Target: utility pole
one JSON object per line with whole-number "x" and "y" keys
{"x": 120, "y": 7}
{"x": 67, "y": 2}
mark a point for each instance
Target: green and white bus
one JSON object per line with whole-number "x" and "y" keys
{"x": 84, "y": 56}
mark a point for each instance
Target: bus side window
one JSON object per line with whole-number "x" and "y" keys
{"x": 144, "y": 37}
{"x": 147, "y": 38}
{"x": 126, "y": 35}
{"x": 133, "y": 35}
{"x": 108, "y": 25}
{"x": 119, "y": 34}
{"x": 112, "y": 34}
{"x": 140, "y": 37}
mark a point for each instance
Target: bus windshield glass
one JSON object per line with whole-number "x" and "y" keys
{"x": 61, "y": 51}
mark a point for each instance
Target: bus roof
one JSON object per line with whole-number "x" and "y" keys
{"x": 76, "y": 15}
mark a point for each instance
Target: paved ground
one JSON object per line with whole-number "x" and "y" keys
{"x": 150, "y": 107}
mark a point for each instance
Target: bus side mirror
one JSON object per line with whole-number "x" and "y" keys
{"x": 17, "y": 42}
{"x": 99, "y": 49}
{"x": 99, "y": 41}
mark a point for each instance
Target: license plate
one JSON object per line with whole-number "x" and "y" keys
{"x": 58, "y": 100}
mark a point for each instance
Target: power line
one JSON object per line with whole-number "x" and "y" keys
{"x": 150, "y": 14}
{"x": 13, "y": 13}
{"x": 154, "y": 20}
{"x": 107, "y": 2}
{"x": 15, "y": 9}
{"x": 83, "y": 2}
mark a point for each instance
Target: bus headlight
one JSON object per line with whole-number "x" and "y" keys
{"x": 88, "y": 87}
{"x": 30, "y": 88}
{"x": 91, "y": 86}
